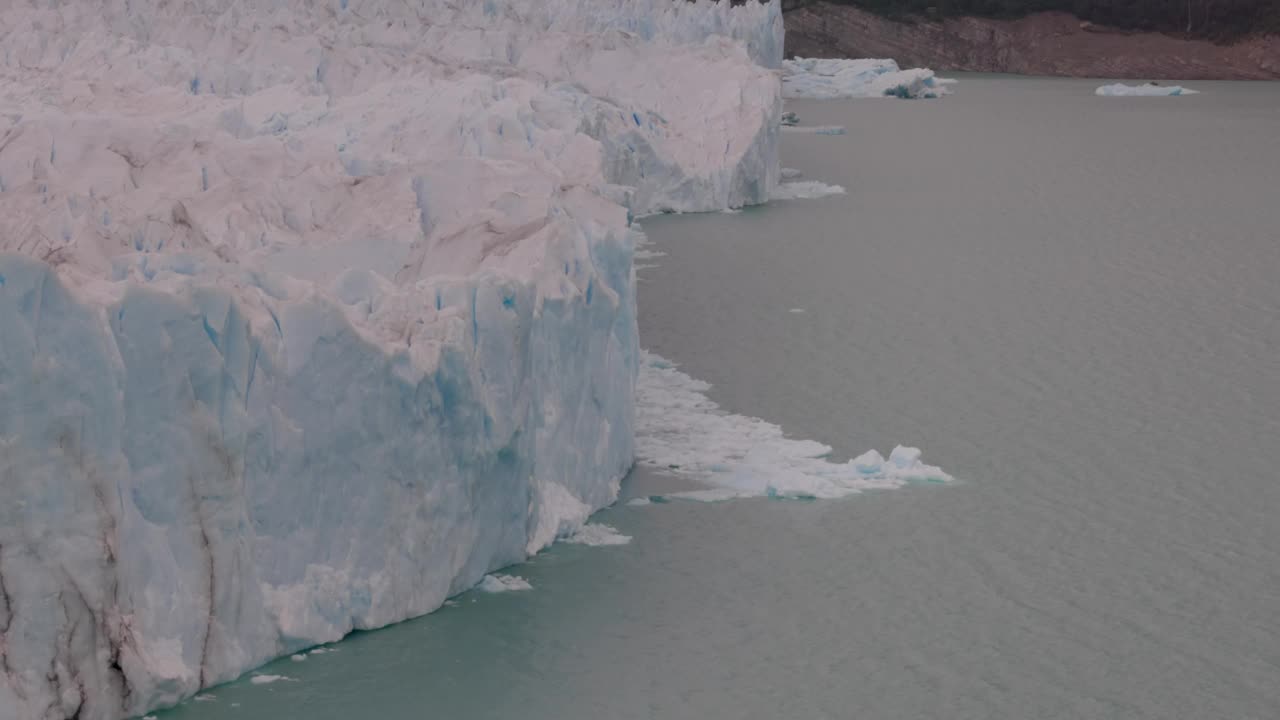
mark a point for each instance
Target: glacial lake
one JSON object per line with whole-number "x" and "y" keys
{"x": 1070, "y": 303}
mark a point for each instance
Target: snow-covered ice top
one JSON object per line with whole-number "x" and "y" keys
{"x": 836, "y": 78}
{"x": 314, "y": 312}
{"x": 1122, "y": 90}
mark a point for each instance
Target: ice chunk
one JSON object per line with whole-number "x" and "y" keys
{"x": 861, "y": 78}
{"x": 679, "y": 429}
{"x": 598, "y": 534}
{"x": 1149, "y": 90}
{"x": 790, "y": 174}
{"x": 904, "y": 457}
{"x": 300, "y": 657}
{"x": 805, "y": 189}
{"x": 503, "y": 583}
{"x": 268, "y": 679}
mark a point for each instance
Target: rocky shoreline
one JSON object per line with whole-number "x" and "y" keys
{"x": 1042, "y": 44}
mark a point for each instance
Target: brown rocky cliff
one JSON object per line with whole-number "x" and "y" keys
{"x": 1041, "y": 44}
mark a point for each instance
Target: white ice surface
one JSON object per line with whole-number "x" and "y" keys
{"x": 679, "y": 429}
{"x": 834, "y": 78}
{"x": 313, "y": 312}
{"x": 1122, "y": 90}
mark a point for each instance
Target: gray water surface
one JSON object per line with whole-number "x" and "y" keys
{"x": 1071, "y": 303}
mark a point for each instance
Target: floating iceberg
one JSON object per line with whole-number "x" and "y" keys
{"x": 831, "y": 78}
{"x": 312, "y": 314}
{"x": 679, "y": 429}
{"x": 1122, "y": 90}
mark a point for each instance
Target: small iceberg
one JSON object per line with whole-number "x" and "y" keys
{"x": 1122, "y": 90}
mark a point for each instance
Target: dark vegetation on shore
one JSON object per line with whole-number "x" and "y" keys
{"x": 1221, "y": 20}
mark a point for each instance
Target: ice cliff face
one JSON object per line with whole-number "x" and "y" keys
{"x": 312, "y": 313}
{"x": 828, "y": 79}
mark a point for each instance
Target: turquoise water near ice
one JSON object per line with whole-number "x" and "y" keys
{"x": 1071, "y": 303}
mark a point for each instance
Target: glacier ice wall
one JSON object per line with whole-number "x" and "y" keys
{"x": 827, "y": 79}
{"x": 313, "y": 313}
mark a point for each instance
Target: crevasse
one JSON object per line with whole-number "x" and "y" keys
{"x": 312, "y": 313}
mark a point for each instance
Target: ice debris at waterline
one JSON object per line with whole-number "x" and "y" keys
{"x": 503, "y": 583}
{"x": 679, "y": 429}
{"x": 827, "y": 79}
{"x": 598, "y": 534}
{"x": 1122, "y": 90}
{"x": 313, "y": 313}
{"x": 804, "y": 189}
{"x": 268, "y": 679}
{"x": 814, "y": 129}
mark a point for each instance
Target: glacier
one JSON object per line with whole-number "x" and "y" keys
{"x": 1122, "y": 90}
{"x": 315, "y": 313}
{"x": 831, "y": 78}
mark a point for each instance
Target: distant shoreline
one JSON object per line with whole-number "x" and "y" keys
{"x": 1049, "y": 43}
